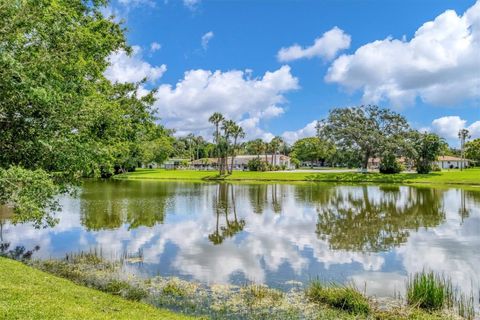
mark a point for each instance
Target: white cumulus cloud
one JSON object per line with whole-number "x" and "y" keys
{"x": 440, "y": 64}
{"x": 308, "y": 131}
{"x": 132, "y": 68}
{"x": 206, "y": 39}
{"x": 449, "y": 126}
{"x": 188, "y": 105}
{"x": 326, "y": 47}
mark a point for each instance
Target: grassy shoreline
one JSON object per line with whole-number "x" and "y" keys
{"x": 34, "y": 294}
{"x": 470, "y": 177}
{"x": 28, "y": 293}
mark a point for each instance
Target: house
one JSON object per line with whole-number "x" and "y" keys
{"x": 374, "y": 163}
{"x": 443, "y": 162}
{"x": 450, "y": 162}
{"x": 240, "y": 162}
{"x": 173, "y": 163}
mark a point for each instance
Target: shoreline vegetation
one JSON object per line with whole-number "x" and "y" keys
{"x": 28, "y": 293}
{"x": 28, "y": 287}
{"x": 468, "y": 177}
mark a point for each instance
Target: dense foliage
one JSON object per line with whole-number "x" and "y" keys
{"x": 368, "y": 130}
{"x": 257, "y": 165}
{"x": 472, "y": 151}
{"x": 426, "y": 147}
{"x": 60, "y": 118}
{"x": 390, "y": 164}
{"x": 313, "y": 150}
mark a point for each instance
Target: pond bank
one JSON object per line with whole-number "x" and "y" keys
{"x": 28, "y": 293}
{"x": 213, "y": 302}
{"x": 469, "y": 177}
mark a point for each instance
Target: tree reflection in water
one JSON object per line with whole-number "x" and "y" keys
{"x": 109, "y": 205}
{"x": 377, "y": 219}
{"x": 271, "y": 233}
{"x": 224, "y": 204}
{"x": 354, "y": 218}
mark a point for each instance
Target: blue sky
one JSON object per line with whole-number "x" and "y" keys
{"x": 225, "y": 56}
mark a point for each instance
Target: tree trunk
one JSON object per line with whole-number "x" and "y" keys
{"x": 233, "y": 154}
{"x": 219, "y": 167}
{"x": 365, "y": 161}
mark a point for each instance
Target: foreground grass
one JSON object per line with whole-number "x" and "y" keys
{"x": 36, "y": 295}
{"x": 344, "y": 298}
{"x": 431, "y": 291}
{"x": 453, "y": 177}
{"x": 27, "y": 293}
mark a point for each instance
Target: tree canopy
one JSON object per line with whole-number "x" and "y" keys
{"x": 60, "y": 117}
{"x": 472, "y": 151}
{"x": 312, "y": 149}
{"x": 370, "y": 130}
{"x": 426, "y": 147}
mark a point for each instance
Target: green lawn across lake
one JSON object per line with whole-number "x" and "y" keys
{"x": 466, "y": 177}
{"x": 27, "y": 293}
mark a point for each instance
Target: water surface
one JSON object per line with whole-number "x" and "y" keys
{"x": 270, "y": 233}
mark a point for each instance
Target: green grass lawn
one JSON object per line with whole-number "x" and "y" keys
{"x": 466, "y": 177}
{"x": 27, "y": 293}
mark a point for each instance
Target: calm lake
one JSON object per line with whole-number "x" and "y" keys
{"x": 270, "y": 233}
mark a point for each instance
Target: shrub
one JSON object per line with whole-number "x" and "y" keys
{"x": 390, "y": 165}
{"x": 344, "y": 298}
{"x": 295, "y": 162}
{"x": 436, "y": 168}
{"x": 424, "y": 168}
{"x": 429, "y": 291}
{"x": 257, "y": 165}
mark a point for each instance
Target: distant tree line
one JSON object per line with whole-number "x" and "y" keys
{"x": 348, "y": 137}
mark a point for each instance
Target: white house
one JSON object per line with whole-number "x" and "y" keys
{"x": 240, "y": 162}
{"x": 449, "y": 162}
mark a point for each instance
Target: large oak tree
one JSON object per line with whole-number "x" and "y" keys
{"x": 370, "y": 130}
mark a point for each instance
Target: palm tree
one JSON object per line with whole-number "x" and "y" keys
{"x": 463, "y": 135}
{"x": 237, "y": 132}
{"x": 258, "y": 147}
{"x": 191, "y": 140}
{"x": 227, "y": 127}
{"x": 275, "y": 145}
{"x": 266, "y": 149}
{"x": 199, "y": 141}
{"x": 216, "y": 118}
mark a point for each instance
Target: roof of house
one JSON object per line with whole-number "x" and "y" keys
{"x": 378, "y": 160}
{"x": 450, "y": 158}
{"x": 240, "y": 159}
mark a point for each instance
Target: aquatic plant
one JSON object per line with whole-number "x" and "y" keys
{"x": 429, "y": 291}
{"x": 465, "y": 305}
{"x": 125, "y": 289}
{"x": 173, "y": 289}
{"x": 341, "y": 297}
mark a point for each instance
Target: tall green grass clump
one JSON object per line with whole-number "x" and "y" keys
{"x": 430, "y": 291}
{"x": 340, "y": 297}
